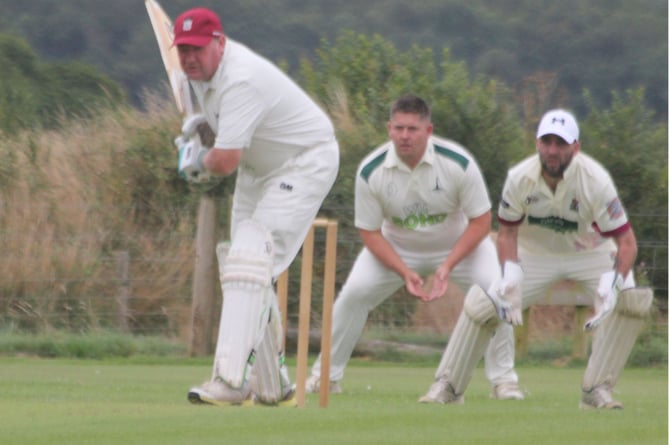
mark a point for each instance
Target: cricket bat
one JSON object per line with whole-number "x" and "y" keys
{"x": 164, "y": 30}
{"x": 204, "y": 269}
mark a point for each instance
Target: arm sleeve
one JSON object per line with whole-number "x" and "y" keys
{"x": 368, "y": 209}
{"x": 475, "y": 200}
{"x": 511, "y": 210}
{"x": 609, "y": 214}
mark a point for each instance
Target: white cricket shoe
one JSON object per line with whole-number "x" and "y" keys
{"x": 507, "y": 391}
{"x": 216, "y": 392}
{"x": 599, "y": 397}
{"x": 287, "y": 401}
{"x": 313, "y": 386}
{"x": 442, "y": 391}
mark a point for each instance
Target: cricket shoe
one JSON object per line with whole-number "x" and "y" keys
{"x": 313, "y": 386}
{"x": 216, "y": 392}
{"x": 507, "y": 391}
{"x": 599, "y": 397}
{"x": 442, "y": 391}
{"x": 287, "y": 401}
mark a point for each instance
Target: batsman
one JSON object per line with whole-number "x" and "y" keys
{"x": 283, "y": 148}
{"x": 560, "y": 218}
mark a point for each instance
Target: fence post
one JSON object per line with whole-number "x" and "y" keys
{"x": 580, "y": 342}
{"x": 580, "y": 345}
{"x": 204, "y": 292}
{"x": 123, "y": 263}
{"x": 522, "y": 335}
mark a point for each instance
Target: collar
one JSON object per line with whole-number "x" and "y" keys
{"x": 570, "y": 172}
{"x": 393, "y": 161}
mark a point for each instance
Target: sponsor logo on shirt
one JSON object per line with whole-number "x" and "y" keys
{"x": 554, "y": 223}
{"x": 414, "y": 221}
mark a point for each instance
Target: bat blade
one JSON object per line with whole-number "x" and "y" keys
{"x": 163, "y": 29}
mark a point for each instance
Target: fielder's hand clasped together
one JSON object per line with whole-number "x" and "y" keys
{"x": 422, "y": 208}
{"x": 561, "y": 219}
{"x": 283, "y": 148}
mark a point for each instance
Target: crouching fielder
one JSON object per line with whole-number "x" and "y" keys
{"x": 561, "y": 219}
{"x": 283, "y": 148}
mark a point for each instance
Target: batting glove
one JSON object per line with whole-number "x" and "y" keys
{"x": 610, "y": 284}
{"x": 191, "y": 154}
{"x": 191, "y": 124}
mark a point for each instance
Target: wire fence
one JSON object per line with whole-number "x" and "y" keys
{"x": 124, "y": 295}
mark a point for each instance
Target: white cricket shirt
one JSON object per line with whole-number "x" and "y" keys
{"x": 583, "y": 214}
{"x": 251, "y": 104}
{"x": 424, "y": 210}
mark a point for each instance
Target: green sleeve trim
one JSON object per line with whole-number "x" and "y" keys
{"x": 368, "y": 168}
{"x": 457, "y": 157}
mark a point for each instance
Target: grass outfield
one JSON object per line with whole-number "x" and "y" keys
{"x": 45, "y": 401}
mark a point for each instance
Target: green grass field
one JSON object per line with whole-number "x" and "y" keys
{"x": 57, "y": 401}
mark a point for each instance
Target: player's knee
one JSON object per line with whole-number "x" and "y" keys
{"x": 635, "y": 302}
{"x": 479, "y": 307}
{"x": 251, "y": 255}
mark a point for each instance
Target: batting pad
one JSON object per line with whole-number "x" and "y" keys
{"x": 269, "y": 376}
{"x": 614, "y": 338}
{"x": 246, "y": 280}
{"x": 473, "y": 330}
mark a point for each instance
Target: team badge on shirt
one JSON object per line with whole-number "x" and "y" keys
{"x": 614, "y": 208}
{"x": 531, "y": 199}
{"x": 574, "y": 205}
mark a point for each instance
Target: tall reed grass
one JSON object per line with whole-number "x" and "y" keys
{"x": 71, "y": 198}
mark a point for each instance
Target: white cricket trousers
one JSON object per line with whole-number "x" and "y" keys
{"x": 584, "y": 268}
{"x": 287, "y": 200}
{"x": 370, "y": 283}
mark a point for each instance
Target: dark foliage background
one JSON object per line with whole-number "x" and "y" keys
{"x": 601, "y": 45}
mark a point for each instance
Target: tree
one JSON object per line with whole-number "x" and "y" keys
{"x": 358, "y": 78}
{"x": 35, "y": 94}
{"x": 632, "y": 145}
{"x": 18, "y": 96}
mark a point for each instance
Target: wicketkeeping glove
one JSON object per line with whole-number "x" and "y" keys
{"x": 508, "y": 294}
{"x": 610, "y": 284}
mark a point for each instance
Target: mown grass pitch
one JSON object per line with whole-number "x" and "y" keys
{"x": 115, "y": 402}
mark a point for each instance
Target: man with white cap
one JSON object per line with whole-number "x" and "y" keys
{"x": 560, "y": 218}
{"x": 283, "y": 148}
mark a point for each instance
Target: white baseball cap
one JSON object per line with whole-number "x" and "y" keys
{"x": 561, "y": 123}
